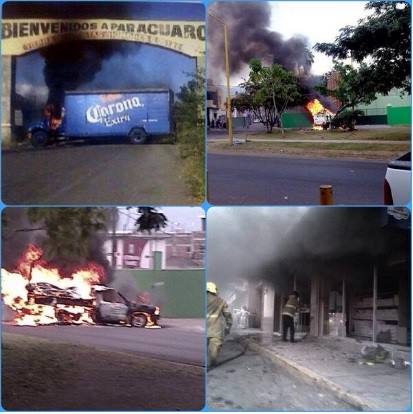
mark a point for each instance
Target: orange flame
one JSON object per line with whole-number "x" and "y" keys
{"x": 31, "y": 269}
{"x": 315, "y": 107}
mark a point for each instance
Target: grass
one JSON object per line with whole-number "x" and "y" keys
{"x": 351, "y": 149}
{"x": 39, "y": 374}
{"x": 401, "y": 133}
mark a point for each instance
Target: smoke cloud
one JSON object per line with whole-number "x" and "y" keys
{"x": 71, "y": 64}
{"x": 255, "y": 242}
{"x": 250, "y": 37}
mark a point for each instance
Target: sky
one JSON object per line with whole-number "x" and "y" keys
{"x": 319, "y": 21}
{"x": 186, "y": 218}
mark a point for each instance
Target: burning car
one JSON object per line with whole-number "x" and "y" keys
{"x": 105, "y": 306}
{"x": 36, "y": 293}
{"x": 113, "y": 307}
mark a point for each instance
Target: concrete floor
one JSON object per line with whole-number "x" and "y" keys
{"x": 254, "y": 382}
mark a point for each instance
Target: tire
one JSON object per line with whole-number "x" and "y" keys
{"x": 39, "y": 138}
{"x": 139, "y": 320}
{"x": 138, "y": 136}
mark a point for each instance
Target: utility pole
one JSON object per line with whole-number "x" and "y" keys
{"x": 227, "y": 74}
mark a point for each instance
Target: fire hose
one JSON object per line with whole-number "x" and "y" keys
{"x": 240, "y": 354}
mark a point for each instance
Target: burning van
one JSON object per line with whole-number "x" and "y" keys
{"x": 136, "y": 115}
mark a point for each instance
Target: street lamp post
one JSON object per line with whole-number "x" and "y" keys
{"x": 226, "y": 48}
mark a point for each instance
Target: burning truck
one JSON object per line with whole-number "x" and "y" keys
{"x": 37, "y": 294}
{"x": 322, "y": 116}
{"x": 136, "y": 114}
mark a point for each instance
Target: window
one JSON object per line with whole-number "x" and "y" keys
{"x": 131, "y": 248}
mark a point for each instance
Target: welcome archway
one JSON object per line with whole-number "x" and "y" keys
{"x": 21, "y": 36}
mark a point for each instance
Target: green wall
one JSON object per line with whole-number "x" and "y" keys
{"x": 179, "y": 293}
{"x": 401, "y": 115}
{"x": 296, "y": 120}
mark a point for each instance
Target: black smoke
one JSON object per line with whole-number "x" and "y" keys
{"x": 250, "y": 37}
{"x": 74, "y": 63}
{"x": 261, "y": 242}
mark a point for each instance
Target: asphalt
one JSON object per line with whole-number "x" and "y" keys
{"x": 94, "y": 174}
{"x": 181, "y": 341}
{"x": 254, "y": 382}
{"x": 268, "y": 179}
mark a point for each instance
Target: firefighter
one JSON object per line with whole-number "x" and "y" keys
{"x": 288, "y": 313}
{"x": 219, "y": 321}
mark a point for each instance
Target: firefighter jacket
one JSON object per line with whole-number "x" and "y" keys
{"x": 219, "y": 318}
{"x": 291, "y": 307}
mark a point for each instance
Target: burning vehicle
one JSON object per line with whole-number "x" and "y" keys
{"x": 322, "y": 117}
{"x": 136, "y": 115}
{"x": 36, "y": 294}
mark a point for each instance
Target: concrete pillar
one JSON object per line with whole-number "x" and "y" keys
{"x": 268, "y": 293}
{"x": 6, "y": 108}
{"x": 314, "y": 306}
{"x": 404, "y": 309}
{"x": 374, "y": 321}
{"x": 319, "y": 304}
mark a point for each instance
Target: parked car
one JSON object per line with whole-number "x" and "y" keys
{"x": 398, "y": 181}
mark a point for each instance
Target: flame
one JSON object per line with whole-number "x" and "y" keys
{"x": 32, "y": 269}
{"x": 315, "y": 107}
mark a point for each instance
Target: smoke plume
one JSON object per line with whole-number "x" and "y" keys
{"x": 249, "y": 37}
{"x": 255, "y": 243}
{"x": 71, "y": 64}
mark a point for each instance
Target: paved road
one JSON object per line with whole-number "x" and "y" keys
{"x": 94, "y": 174}
{"x": 250, "y": 179}
{"x": 253, "y": 382}
{"x": 180, "y": 341}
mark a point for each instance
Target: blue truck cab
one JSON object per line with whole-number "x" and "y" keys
{"x": 135, "y": 114}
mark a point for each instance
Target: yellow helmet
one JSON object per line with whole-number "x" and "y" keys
{"x": 212, "y": 287}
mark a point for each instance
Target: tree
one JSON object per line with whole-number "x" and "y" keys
{"x": 150, "y": 219}
{"x": 189, "y": 115}
{"x": 69, "y": 231}
{"x": 353, "y": 88}
{"x": 383, "y": 41}
{"x": 268, "y": 92}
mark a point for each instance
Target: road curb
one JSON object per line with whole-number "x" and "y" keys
{"x": 341, "y": 392}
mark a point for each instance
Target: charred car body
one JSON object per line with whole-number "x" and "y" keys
{"x": 105, "y": 306}
{"x": 135, "y": 114}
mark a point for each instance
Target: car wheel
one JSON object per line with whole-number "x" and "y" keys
{"x": 138, "y": 136}
{"x": 139, "y": 320}
{"x": 39, "y": 138}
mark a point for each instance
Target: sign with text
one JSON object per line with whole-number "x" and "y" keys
{"x": 20, "y": 36}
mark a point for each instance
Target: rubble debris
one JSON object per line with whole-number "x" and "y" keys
{"x": 373, "y": 354}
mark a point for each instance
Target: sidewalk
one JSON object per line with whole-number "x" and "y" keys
{"x": 334, "y": 362}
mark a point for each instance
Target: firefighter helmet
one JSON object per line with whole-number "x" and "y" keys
{"x": 212, "y": 287}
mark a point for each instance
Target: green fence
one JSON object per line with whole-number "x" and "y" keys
{"x": 296, "y": 120}
{"x": 401, "y": 115}
{"x": 179, "y": 293}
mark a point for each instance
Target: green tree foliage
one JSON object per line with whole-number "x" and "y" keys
{"x": 69, "y": 231}
{"x": 269, "y": 90}
{"x": 189, "y": 114}
{"x": 150, "y": 219}
{"x": 382, "y": 41}
{"x": 354, "y": 87}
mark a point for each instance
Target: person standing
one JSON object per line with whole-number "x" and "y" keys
{"x": 288, "y": 313}
{"x": 219, "y": 321}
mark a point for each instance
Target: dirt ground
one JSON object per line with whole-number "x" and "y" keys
{"x": 39, "y": 374}
{"x": 371, "y": 151}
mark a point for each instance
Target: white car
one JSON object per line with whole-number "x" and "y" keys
{"x": 398, "y": 181}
